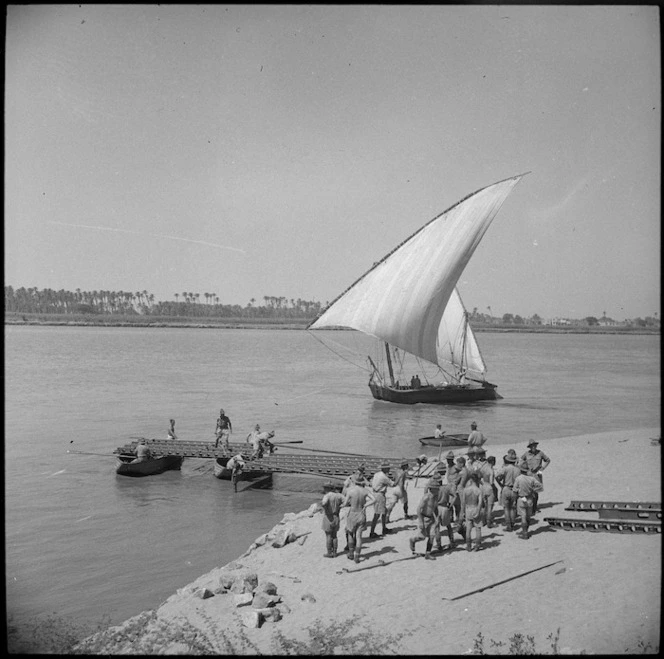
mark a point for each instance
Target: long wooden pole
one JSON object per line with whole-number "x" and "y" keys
{"x": 502, "y": 581}
{"x": 321, "y": 450}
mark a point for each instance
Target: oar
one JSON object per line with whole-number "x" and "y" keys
{"x": 105, "y": 455}
{"x": 321, "y": 450}
{"x": 293, "y": 441}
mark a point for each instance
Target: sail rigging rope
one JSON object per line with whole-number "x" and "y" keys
{"x": 362, "y": 368}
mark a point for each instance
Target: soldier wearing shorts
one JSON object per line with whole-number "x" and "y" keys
{"x": 506, "y": 476}
{"x": 331, "y": 503}
{"x": 379, "y": 484}
{"x": 358, "y": 498}
{"x": 427, "y": 520}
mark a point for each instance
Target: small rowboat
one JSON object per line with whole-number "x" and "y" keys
{"x": 247, "y": 474}
{"x": 126, "y": 467}
{"x": 446, "y": 441}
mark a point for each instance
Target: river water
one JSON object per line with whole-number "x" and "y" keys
{"x": 82, "y": 542}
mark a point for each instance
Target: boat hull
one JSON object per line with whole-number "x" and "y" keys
{"x": 435, "y": 395}
{"x": 447, "y": 441}
{"x": 125, "y": 467}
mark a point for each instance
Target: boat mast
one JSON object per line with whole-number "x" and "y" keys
{"x": 463, "y": 344}
{"x": 389, "y": 363}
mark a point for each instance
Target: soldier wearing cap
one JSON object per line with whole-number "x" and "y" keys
{"x": 525, "y": 486}
{"x": 537, "y": 462}
{"x": 461, "y": 484}
{"x": 475, "y": 438}
{"x": 453, "y": 473}
{"x": 349, "y": 481}
{"x": 446, "y": 498}
{"x": 506, "y": 476}
{"x": 400, "y": 493}
{"x": 473, "y": 505}
{"x": 427, "y": 519}
{"x": 485, "y": 470}
{"x": 358, "y": 498}
{"x": 379, "y": 484}
{"x": 331, "y": 504}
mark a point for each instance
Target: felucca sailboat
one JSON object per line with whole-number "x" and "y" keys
{"x": 409, "y": 301}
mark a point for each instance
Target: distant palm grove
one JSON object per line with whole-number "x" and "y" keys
{"x": 197, "y": 305}
{"x": 274, "y": 309}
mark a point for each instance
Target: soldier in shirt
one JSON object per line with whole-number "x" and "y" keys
{"x": 524, "y": 487}
{"x": 475, "y": 438}
{"x": 223, "y": 431}
{"x": 331, "y": 503}
{"x": 379, "y": 484}
{"x": 537, "y": 462}
{"x": 506, "y": 476}
{"x": 358, "y": 498}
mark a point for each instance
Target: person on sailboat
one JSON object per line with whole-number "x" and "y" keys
{"x": 358, "y": 498}
{"x": 171, "y": 430}
{"x": 223, "y": 430}
{"x": 379, "y": 484}
{"x": 537, "y": 462}
{"x": 475, "y": 438}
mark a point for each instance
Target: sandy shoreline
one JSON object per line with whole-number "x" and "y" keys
{"x": 603, "y": 592}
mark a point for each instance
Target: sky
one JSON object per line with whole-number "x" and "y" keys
{"x": 280, "y": 150}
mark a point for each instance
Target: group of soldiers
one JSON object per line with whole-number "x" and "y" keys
{"x": 458, "y": 498}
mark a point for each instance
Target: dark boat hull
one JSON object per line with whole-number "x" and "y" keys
{"x": 435, "y": 395}
{"x": 447, "y": 441}
{"x": 125, "y": 466}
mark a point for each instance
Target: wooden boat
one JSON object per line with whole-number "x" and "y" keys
{"x": 126, "y": 467}
{"x": 408, "y": 301}
{"x": 446, "y": 441}
{"x": 247, "y": 474}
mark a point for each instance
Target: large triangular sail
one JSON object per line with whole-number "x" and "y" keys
{"x": 402, "y": 300}
{"x": 457, "y": 346}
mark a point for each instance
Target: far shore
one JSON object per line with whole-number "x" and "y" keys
{"x": 61, "y": 320}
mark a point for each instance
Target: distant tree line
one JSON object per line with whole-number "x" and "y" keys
{"x": 186, "y": 304}
{"x": 207, "y": 305}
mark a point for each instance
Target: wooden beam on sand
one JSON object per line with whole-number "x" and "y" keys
{"x": 502, "y": 581}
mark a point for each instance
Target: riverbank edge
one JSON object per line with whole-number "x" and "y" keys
{"x": 613, "y": 579}
{"x": 289, "y": 325}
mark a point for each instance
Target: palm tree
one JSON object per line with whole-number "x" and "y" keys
{"x": 177, "y": 295}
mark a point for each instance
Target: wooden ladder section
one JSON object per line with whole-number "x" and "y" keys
{"x": 613, "y": 516}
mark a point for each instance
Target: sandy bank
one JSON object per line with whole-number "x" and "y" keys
{"x": 603, "y": 591}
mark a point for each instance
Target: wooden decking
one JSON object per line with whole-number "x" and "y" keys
{"x": 286, "y": 459}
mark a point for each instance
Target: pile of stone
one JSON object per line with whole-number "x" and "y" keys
{"x": 262, "y": 601}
